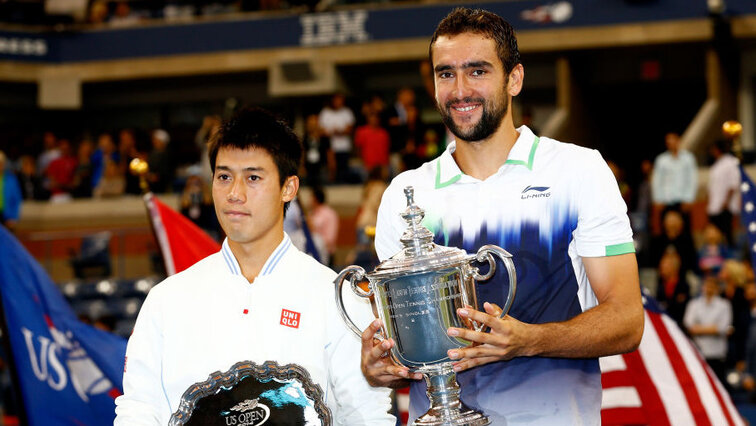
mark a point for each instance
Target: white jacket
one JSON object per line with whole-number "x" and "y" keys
{"x": 209, "y": 317}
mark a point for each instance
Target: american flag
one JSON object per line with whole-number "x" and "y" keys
{"x": 748, "y": 211}
{"x": 665, "y": 381}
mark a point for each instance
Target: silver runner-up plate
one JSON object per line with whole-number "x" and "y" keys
{"x": 252, "y": 395}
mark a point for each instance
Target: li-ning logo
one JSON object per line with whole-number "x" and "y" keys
{"x": 535, "y": 192}
{"x": 251, "y": 413}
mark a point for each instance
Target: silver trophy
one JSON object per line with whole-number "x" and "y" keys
{"x": 416, "y": 294}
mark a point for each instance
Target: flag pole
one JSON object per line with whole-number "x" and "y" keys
{"x": 140, "y": 168}
{"x": 15, "y": 381}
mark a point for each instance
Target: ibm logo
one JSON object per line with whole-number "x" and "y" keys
{"x": 23, "y": 46}
{"x": 333, "y": 28}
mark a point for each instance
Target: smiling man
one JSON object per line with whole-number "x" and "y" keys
{"x": 555, "y": 206}
{"x": 259, "y": 299}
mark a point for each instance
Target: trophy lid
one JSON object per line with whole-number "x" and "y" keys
{"x": 420, "y": 253}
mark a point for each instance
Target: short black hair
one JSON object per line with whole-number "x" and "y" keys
{"x": 253, "y": 127}
{"x": 478, "y": 21}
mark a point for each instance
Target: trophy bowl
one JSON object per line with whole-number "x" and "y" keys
{"x": 417, "y": 293}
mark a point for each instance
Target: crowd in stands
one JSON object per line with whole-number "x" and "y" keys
{"x": 705, "y": 279}
{"x": 343, "y": 145}
{"x": 119, "y": 13}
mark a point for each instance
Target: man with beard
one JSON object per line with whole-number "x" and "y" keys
{"x": 554, "y": 206}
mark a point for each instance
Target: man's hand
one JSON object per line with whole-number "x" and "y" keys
{"x": 507, "y": 339}
{"x": 377, "y": 366}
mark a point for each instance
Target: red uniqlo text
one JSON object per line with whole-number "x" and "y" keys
{"x": 290, "y": 318}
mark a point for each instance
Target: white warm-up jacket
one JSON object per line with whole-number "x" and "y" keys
{"x": 209, "y": 317}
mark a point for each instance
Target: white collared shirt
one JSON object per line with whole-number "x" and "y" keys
{"x": 549, "y": 205}
{"x": 724, "y": 176}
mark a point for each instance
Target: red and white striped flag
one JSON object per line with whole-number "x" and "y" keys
{"x": 182, "y": 243}
{"x": 665, "y": 382}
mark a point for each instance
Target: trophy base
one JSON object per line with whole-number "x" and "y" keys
{"x": 446, "y": 409}
{"x": 462, "y": 416}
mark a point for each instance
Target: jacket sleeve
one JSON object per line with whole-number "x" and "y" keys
{"x": 358, "y": 403}
{"x": 143, "y": 401}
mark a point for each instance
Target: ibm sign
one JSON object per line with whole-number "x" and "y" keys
{"x": 334, "y": 28}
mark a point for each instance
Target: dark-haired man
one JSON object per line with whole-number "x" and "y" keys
{"x": 554, "y": 206}
{"x": 258, "y": 299}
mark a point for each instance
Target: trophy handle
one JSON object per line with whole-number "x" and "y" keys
{"x": 486, "y": 254}
{"x": 354, "y": 274}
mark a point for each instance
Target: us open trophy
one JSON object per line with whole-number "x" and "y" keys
{"x": 417, "y": 293}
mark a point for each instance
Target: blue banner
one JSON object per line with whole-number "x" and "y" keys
{"x": 70, "y": 373}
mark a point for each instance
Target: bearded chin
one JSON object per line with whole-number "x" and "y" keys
{"x": 489, "y": 122}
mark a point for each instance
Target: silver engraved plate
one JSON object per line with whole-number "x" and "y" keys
{"x": 417, "y": 293}
{"x": 252, "y": 395}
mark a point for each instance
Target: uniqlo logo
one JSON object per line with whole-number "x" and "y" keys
{"x": 290, "y": 318}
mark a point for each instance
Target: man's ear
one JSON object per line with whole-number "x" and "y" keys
{"x": 290, "y": 188}
{"x": 516, "y": 78}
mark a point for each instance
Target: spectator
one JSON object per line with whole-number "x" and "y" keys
{"x": 123, "y": 15}
{"x": 375, "y": 105}
{"x": 708, "y": 319}
{"x": 197, "y": 205}
{"x": 673, "y": 291}
{"x": 411, "y": 157}
{"x": 675, "y": 236}
{"x": 363, "y": 254}
{"x": 161, "y": 165}
{"x": 98, "y": 12}
{"x": 210, "y": 125}
{"x": 724, "y": 182}
{"x": 318, "y": 153}
{"x": 60, "y": 173}
{"x": 373, "y": 143}
{"x": 713, "y": 253}
{"x": 49, "y": 153}
{"x": 325, "y": 222}
{"x": 367, "y": 213}
{"x": 337, "y": 122}
{"x": 106, "y": 151}
{"x": 405, "y": 129}
{"x": 398, "y": 117}
{"x": 749, "y": 367}
{"x": 734, "y": 275}
{"x": 430, "y": 147}
{"x": 112, "y": 183}
{"x": 674, "y": 178}
{"x": 619, "y": 175}
{"x": 127, "y": 151}
{"x": 640, "y": 216}
{"x": 82, "y": 181}
{"x": 10, "y": 195}
{"x": 30, "y": 183}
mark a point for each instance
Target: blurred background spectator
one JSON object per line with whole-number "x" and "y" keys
{"x": 708, "y": 319}
{"x": 10, "y": 195}
{"x": 337, "y": 122}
